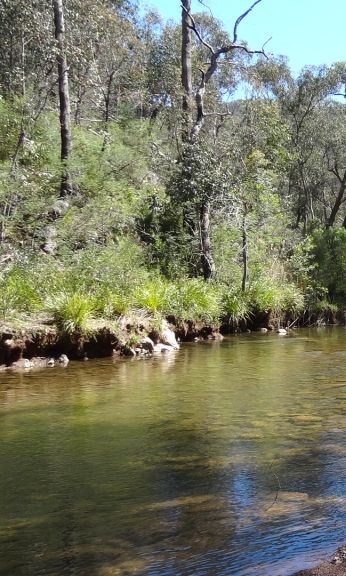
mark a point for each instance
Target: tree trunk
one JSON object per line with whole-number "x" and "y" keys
{"x": 245, "y": 255}
{"x": 106, "y": 113}
{"x": 186, "y": 78}
{"x": 337, "y": 204}
{"x": 64, "y": 97}
{"x": 208, "y": 265}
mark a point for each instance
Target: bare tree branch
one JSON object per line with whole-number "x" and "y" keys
{"x": 240, "y": 18}
{"x": 214, "y": 61}
{"x": 194, "y": 28}
{"x": 207, "y": 7}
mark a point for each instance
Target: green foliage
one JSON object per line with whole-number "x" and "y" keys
{"x": 129, "y": 239}
{"x": 237, "y": 305}
{"x": 267, "y": 295}
{"x": 154, "y": 296}
{"x": 330, "y": 255}
{"x": 323, "y": 307}
{"x": 263, "y": 296}
{"x": 72, "y": 312}
{"x": 197, "y": 300}
{"x": 112, "y": 304}
{"x": 18, "y": 294}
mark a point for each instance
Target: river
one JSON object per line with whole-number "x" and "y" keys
{"x": 225, "y": 458}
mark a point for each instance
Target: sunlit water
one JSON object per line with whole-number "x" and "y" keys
{"x": 222, "y": 459}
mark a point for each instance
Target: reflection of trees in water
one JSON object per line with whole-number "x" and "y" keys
{"x": 171, "y": 462}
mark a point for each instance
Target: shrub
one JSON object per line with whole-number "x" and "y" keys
{"x": 18, "y": 294}
{"x": 236, "y": 305}
{"x": 196, "y": 299}
{"x": 72, "y": 312}
{"x": 110, "y": 304}
{"x": 330, "y": 255}
{"x": 267, "y": 295}
{"x": 154, "y": 296}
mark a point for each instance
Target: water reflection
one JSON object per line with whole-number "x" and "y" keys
{"x": 227, "y": 458}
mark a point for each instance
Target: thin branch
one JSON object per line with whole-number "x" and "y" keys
{"x": 279, "y": 487}
{"x": 194, "y": 28}
{"x": 207, "y": 7}
{"x": 226, "y": 49}
{"x": 240, "y": 18}
{"x": 267, "y": 42}
{"x": 222, "y": 114}
{"x": 214, "y": 62}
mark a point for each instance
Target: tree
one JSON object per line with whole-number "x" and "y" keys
{"x": 193, "y": 126}
{"x": 316, "y": 183}
{"x": 64, "y": 98}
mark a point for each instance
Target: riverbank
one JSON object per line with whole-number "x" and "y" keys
{"x": 37, "y": 341}
{"x": 334, "y": 567}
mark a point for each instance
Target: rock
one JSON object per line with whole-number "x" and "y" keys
{"x": 49, "y": 247}
{"x": 215, "y": 336}
{"x": 340, "y": 556}
{"x": 39, "y": 362}
{"x": 63, "y": 360}
{"x": 59, "y": 208}
{"x": 13, "y": 348}
{"x": 163, "y": 348}
{"x": 50, "y": 362}
{"x": 168, "y": 337}
{"x": 148, "y": 344}
{"x": 127, "y": 351}
{"x": 22, "y": 364}
{"x": 264, "y": 330}
{"x": 282, "y": 331}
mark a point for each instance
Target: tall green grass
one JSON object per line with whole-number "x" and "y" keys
{"x": 72, "y": 312}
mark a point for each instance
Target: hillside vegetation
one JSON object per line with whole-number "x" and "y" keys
{"x": 224, "y": 212}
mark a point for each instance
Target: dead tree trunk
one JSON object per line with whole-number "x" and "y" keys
{"x": 186, "y": 76}
{"x": 64, "y": 98}
{"x": 207, "y": 260}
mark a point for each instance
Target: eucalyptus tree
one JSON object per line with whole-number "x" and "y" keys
{"x": 333, "y": 151}
{"x": 193, "y": 106}
{"x": 316, "y": 125}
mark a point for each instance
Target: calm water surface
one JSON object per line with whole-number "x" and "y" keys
{"x": 223, "y": 459}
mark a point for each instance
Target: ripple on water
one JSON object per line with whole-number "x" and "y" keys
{"x": 227, "y": 459}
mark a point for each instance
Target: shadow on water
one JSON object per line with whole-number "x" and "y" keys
{"x": 223, "y": 459}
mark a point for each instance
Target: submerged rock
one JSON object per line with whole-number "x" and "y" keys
{"x": 163, "y": 348}
{"x": 282, "y": 331}
{"x": 22, "y": 364}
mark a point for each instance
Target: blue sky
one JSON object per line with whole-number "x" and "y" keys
{"x": 306, "y": 31}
